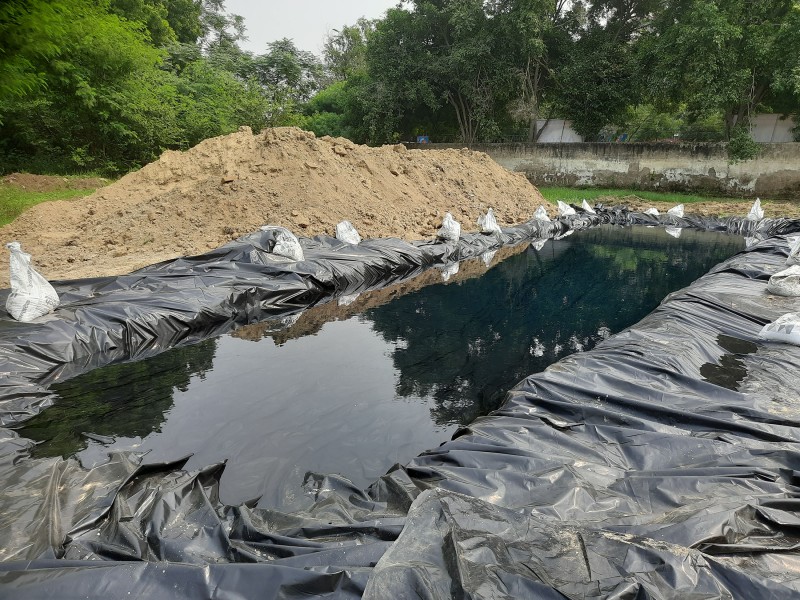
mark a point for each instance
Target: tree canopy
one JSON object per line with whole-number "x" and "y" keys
{"x": 108, "y": 84}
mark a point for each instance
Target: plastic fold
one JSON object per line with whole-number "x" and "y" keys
{"x": 640, "y": 469}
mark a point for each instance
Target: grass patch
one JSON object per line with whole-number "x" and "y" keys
{"x": 14, "y": 199}
{"x": 575, "y": 195}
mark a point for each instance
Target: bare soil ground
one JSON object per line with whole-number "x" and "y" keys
{"x": 189, "y": 202}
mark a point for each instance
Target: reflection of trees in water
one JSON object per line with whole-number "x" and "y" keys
{"x": 466, "y": 345}
{"x": 128, "y": 399}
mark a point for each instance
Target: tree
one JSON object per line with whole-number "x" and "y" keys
{"x": 726, "y": 56}
{"x": 345, "y": 49}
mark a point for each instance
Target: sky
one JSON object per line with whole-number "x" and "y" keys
{"x": 307, "y": 22}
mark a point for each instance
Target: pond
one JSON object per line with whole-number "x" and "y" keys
{"x": 356, "y": 386}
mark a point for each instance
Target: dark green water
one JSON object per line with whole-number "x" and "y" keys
{"x": 372, "y": 389}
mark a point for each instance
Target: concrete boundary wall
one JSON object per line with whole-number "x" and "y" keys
{"x": 652, "y": 166}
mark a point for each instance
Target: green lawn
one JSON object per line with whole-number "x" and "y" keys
{"x": 14, "y": 200}
{"x": 575, "y": 195}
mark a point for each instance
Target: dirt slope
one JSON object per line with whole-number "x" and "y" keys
{"x": 189, "y": 202}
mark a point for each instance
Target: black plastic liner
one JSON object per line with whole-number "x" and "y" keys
{"x": 661, "y": 464}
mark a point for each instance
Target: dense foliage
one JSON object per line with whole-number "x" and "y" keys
{"x": 106, "y": 85}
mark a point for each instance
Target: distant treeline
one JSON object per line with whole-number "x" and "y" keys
{"x": 106, "y": 85}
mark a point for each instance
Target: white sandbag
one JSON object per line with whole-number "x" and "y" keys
{"x": 756, "y": 212}
{"x": 794, "y": 251}
{"x": 565, "y": 210}
{"x": 585, "y": 206}
{"x": 676, "y": 211}
{"x": 449, "y": 271}
{"x": 541, "y": 214}
{"x": 652, "y": 211}
{"x": 286, "y": 244}
{"x": 674, "y": 231}
{"x": 450, "y": 230}
{"x": 487, "y": 223}
{"x": 31, "y": 296}
{"x": 749, "y": 242}
{"x": 561, "y": 236}
{"x": 784, "y": 329}
{"x": 347, "y": 233}
{"x": 786, "y": 282}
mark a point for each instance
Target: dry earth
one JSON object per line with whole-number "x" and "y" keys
{"x": 189, "y": 202}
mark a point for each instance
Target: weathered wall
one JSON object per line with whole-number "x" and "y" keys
{"x": 672, "y": 167}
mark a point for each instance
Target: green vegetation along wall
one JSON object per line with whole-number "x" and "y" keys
{"x": 106, "y": 85}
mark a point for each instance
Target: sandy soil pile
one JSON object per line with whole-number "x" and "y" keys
{"x": 189, "y": 202}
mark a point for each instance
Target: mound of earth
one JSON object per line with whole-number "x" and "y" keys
{"x": 189, "y": 202}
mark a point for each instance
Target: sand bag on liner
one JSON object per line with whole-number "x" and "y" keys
{"x": 347, "y": 233}
{"x": 794, "y": 251}
{"x": 786, "y": 282}
{"x": 31, "y": 296}
{"x": 676, "y": 211}
{"x": 488, "y": 223}
{"x": 450, "y": 230}
{"x": 783, "y": 329}
{"x": 286, "y": 244}
{"x": 756, "y": 212}
{"x": 652, "y": 211}
{"x": 585, "y": 206}
{"x": 541, "y": 214}
{"x": 565, "y": 210}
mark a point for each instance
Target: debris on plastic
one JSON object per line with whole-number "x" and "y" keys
{"x": 450, "y": 230}
{"x": 794, "y": 251}
{"x": 541, "y": 214}
{"x": 652, "y": 211}
{"x": 676, "y": 211}
{"x": 786, "y": 282}
{"x": 347, "y": 233}
{"x": 585, "y": 206}
{"x": 286, "y": 244}
{"x": 488, "y": 223}
{"x": 31, "y": 296}
{"x": 674, "y": 231}
{"x": 449, "y": 270}
{"x": 784, "y": 329}
{"x": 756, "y": 212}
{"x": 565, "y": 210}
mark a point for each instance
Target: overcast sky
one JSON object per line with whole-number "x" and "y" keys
{"x": 307, "y": 22}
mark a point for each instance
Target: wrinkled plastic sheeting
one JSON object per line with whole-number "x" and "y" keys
{"x": 661, "y": 464}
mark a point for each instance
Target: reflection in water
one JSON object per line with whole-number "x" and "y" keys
{"x": 466, "y": 345}
{"x": 356, "y": 388}
{"x": 129, "y": 399}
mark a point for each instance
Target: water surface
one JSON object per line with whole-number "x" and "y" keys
{"x": 348, "y": 392}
